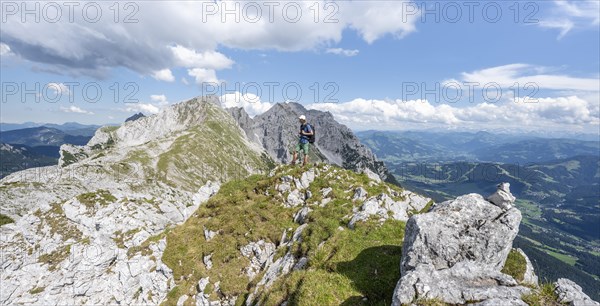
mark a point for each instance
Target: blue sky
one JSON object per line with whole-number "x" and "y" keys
{"x": 375, "y": 61}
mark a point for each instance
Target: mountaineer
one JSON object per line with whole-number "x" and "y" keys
{"x": 307, "y": 136}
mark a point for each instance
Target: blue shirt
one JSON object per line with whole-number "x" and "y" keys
{"x": 307, "y": 129}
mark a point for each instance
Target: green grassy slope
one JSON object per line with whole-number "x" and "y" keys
{"x": 351, "y": 267}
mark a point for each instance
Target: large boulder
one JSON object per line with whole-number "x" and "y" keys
{"x": 467, "y": 228}
{"x": 456, "y": 251}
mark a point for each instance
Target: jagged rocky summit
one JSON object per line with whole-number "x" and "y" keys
{"x": 276, "y": 130}
{"x": 455, "y": 253}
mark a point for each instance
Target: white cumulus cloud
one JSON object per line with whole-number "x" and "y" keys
{"x": 508, "y": 75}
{"x": 59, "y": 88}
{"x": 143, "y": 107}
{"x": 158, "y": 102}
{"x": 202, "y": 75}
{"x": 170, "y": 34}
{"x": 250, "y": 102}
{"x": 4, "y": 49}
{"x": 208, "y": 59}
{"x": 568, "y": 103}
{"x": 75, "y": 109}
{"x": 164, "y": 75}
{"x": 340, "y": 51}
{"x": 160, "y": 99}
{"x": 557, "y": 113}
{"x": 375, "y": 19}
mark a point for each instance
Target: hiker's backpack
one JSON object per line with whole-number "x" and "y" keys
{"x": 312, "y": 138}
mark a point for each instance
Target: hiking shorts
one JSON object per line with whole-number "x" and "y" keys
{"x": 302, "y": 147}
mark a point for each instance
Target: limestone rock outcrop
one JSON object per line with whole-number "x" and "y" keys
{"x": 456, "y": 251}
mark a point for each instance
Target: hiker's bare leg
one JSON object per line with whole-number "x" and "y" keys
{"x": 305, "y": 160}
{"x": 294, "y": 158}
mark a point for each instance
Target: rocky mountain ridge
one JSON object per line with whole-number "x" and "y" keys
{"x": 78, "y": 224}
{"x": 282, "y": 230}
{"x": 111, "y": 197}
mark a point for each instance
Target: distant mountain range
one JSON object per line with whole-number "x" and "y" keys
{"x": 36, "y": 146}
{"x": 30, "y": 144}
{"x": 71, "y": 128}
{"x": 414, "y": 146}
{"x": 41, "y": 136}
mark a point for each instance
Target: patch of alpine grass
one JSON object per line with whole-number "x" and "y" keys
{"x": 542, "y": 296}
{"x": 515, "y": 265}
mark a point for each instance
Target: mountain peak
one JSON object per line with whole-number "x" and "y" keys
{"x": 276, "y": 130}
{"x": 135, "y": 117}
{"x": 173, "y": 119}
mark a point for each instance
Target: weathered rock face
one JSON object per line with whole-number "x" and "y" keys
{"x": 263, "y": 260}
{"x": 465, "y": 281}
{"x": 455, "y": 253}
{"x": 277, "y": 130}
{"x": 179, "y": 117}
{"x": 569, "y": 292}
{"x": 384, "y": 207}
{"x": 260, "y": 254}
{"x": 84, "y": 250}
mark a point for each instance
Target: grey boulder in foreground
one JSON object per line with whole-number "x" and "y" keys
{"x": 455, "y": 253}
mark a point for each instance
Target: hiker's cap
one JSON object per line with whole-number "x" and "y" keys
{"x": 302, "y": 117}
